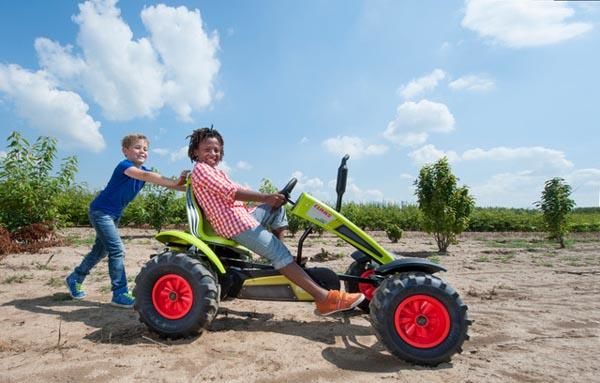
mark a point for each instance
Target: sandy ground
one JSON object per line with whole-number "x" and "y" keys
{"x": 536, "y": 310}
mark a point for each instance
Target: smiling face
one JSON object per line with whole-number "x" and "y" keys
{"x": 137, "y": 152}
{"x": 209, "y": 151}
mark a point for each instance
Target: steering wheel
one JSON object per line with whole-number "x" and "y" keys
{"x": 287, "y": 189}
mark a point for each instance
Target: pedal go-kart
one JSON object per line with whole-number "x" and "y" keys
{"x": 418, "y": 317}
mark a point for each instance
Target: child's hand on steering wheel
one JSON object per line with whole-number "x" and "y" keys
{"x": 275, "y": 199}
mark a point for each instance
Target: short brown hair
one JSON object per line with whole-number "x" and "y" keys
{"x": 131, "y": 139}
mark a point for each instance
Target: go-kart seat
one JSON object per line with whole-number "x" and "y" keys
{"x": 199, "y": 225}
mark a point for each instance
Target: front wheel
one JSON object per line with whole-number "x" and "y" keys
{"x": 175, "y": 295}
{"x": 364, "y": 270}
{"x": 419, "y": 318}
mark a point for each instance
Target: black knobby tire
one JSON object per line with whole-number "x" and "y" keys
{"x": 419, "y": 318}
{"x": 176, "y": 296}
{"x": 358, "y": 269}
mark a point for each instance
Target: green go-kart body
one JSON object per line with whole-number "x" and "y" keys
{"x": 417, "y": 316}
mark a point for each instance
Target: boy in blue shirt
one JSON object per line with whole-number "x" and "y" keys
{"x": 105, "y": 211}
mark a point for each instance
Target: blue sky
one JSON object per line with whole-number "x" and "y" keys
{"x": 507, "y": 90}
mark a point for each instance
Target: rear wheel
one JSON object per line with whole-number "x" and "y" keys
{"x": 364, "y": 270}
{"x": 419, "y": 318}
{"x": 176, "y": 295}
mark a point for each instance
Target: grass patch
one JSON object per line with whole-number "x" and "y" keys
{"x": 505, "y": 258}
{"x": 42, "y": 266}
{"x": 106, "y": 289}
{"x": 18, "y": 278}
{"x": 482, "y": 258}
{"x": 573, "y": 260}
{"x": 520, "y": 243}
{"x": 434, "y": 258}
{"x": 55, "y": 282}
{"x": 76, "y": 240}
{"x": 340, "y": 243}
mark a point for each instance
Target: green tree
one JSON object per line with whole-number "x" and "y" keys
{"x": 294, "y": 222}
{"x": 556, "y": 205}
{"x": 73, "y": 204}
{"x": 29, "y": 191}
{"x": 159, "y": 203}
{"x": 266, "y": 186}
{"x": 394, "y": 232}
{"x": 445, "y": 207}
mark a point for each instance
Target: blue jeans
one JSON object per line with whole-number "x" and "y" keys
{"x": 263, "y": 242}
{"x": 108, "y": 242}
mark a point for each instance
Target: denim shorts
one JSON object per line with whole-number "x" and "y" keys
{"x": 263, "y": 242}
{"x": 270, "y": 218}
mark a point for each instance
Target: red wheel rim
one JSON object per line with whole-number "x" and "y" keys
{"x": 367, "y": 288}
{"x": 422, "y": 321}
{"x": 172, "y": 296}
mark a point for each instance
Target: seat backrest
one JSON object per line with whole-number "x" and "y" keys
{"x": 199, "y": 225}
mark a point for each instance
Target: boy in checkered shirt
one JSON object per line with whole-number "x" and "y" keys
{"x": 222, "y": 202}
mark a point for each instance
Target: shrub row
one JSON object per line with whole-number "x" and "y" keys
{"x": 74, "y": 202}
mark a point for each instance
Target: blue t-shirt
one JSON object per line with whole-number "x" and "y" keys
{"x": 121, "y": 190}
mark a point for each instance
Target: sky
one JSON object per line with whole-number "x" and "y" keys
{"x": 504, "y": 89}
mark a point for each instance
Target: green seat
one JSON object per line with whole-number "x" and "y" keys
{"x": 199, "y": 225}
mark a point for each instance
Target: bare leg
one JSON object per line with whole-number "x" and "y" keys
{"x": 279, "y": 233}
{"x": 297, "y": 275}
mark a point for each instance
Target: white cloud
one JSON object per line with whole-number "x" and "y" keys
{"x": 355, "y": 193}
{"x": 535, "y": 158}
{"x": 305, "y": 183}
{"x": 128, "y": 78}
{"x": 518, "y": 23}
{"x": 314, "y": 186}
{"x": 174, "y": 155}
{"x": 420, "y": 85}
{"x": 530, "y": 161}
{"x": 243, "y": 165}
{"x": 188, "y": 55}
{"x": 179, "y": 154}
{"x": 415, "y": 120}
{"x": 473, "y": 83}
{"x": 407, "y": 176}
{"x": 589, "y": 177}
{"x": 54, "y": 112}
{"x": 508, "y": 189}
{"x": 304, "y": 140}
{"x": 429, "y": 154}
{"x": 523, "y": 189}
{"x": 160, "y": 151}
{"x": 523, "y": 171}
{"x": 2, "y": 154}
{"x": 224, "y": 167}
{"x": 354, "y": 146}
{"x": 326, "y": 191}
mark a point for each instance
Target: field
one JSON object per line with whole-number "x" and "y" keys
{"x": 536, "y": 312}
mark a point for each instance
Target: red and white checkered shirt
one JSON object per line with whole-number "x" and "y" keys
{"x": 215, "y": 193}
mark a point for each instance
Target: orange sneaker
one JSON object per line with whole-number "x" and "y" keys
{"x": 338, "y": 301}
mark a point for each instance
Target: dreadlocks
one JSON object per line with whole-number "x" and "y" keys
{"x": 200, "y": 135}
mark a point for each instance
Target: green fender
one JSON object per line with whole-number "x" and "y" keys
{"x": 183, "y": 238}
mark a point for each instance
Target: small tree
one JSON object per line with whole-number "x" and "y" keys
{"x": 556, "y": 205}
{"x": 394, "y": 232}
{"x": 445, "y": 207}
{"x": 294, "y": 223}
{"x": 266, "y": 186}
{"x": 159, "y": 204}
{"x": 28, "y": 190}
